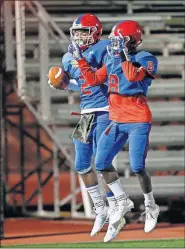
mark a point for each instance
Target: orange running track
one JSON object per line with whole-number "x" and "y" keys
{"x": 35, "y": 231}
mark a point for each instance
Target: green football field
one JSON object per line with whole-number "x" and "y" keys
{"x": 175, "y": 243}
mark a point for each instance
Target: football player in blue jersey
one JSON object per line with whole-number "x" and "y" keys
{"x": 86, "y": 31}
{"x": 129, "y": 74}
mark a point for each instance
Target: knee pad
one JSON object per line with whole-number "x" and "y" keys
{"x": 104, "y": 167}
{"x": 140, "y": 172}
{"x": 137, "y": 167}
{"x": 82, "y": 166}
{"x": 108, "y": 169}
{"x": 83, "y": 171}
{"x": 83, "y": 154}
{"x": 101, "y": 163}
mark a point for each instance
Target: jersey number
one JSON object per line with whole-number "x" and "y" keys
{"x": 85, "y": 85}
{"x": 113, "y": 83}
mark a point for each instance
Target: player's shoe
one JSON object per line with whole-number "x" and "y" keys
{"x": 117, "y": 221}
{"x": 123, "y": 207}
{"x": 114, "y": 229}
{"x": 100, "y": 220}
{"x": 111, "y": 212}
{"x": 151, "y": 217}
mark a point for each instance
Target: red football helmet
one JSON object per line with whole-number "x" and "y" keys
{"x": 86, "y": 30}
{"x": 130, "y": 31}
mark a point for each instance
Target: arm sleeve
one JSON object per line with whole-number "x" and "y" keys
{"x": 133, "y": 73}
{"x": 65, "y": 64}
{"x": 73, "y": 86}
{"x": 147, "y": 68}
{"x": 92, "y": 77}
{"x": 150, "y": 64}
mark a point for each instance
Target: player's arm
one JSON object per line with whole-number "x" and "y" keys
{"x": 105, "y": 59}
{"x": 145, "y": 68}
{"x": 73, "y": 86}
{"x": 135, "y": 71}
{"x": 92, "y": 77}
{"x": 60, "y": 79}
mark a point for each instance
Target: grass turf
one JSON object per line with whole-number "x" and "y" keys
{"x": 175, "y": 243}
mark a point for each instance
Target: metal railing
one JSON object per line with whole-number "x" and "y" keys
{"x": 46, "y": 27}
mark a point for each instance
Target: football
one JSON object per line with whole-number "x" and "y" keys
{"x": 58, "y": 78}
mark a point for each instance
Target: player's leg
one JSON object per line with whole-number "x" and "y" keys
{"x": 138, "y": 146}
{"x": 83, "y": 141}
{"x": 108, "y": 146}
{"x": 110, "y": 143}
{"x": 102, "y": 123}
{"x": 106, "y": 152}
{"x": 83, "y": 155}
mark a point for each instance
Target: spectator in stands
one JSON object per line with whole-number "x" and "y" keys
{"x": 129, "y": 73}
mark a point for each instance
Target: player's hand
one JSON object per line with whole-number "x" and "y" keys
{"x": 124, "y": 54}
{"x": 74, "y": 49}
{"x": 123, "y": 50}
{"x": 117, "y": 44}
{"x": 58, "y": 78}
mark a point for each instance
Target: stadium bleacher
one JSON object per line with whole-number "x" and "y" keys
{"x": 163, "y": 23}
{"x": 131, "y": 6}
{"x": 163, "y": 186}
{"x": 166, "y": 46}
{"x": 160, "y": 135}
{"x": 163, "y": 88}
{"x": 173, "y": 66}
{"x": 162, "y": 111}
{"x": 156, "y": 160}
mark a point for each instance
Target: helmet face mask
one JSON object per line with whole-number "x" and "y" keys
{"x": 86, "y": 30}
{"x": 84, "y": 37}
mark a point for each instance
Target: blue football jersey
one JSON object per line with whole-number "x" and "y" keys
{"x": 96, "y": 55}
{"x": 117, "y": 77}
